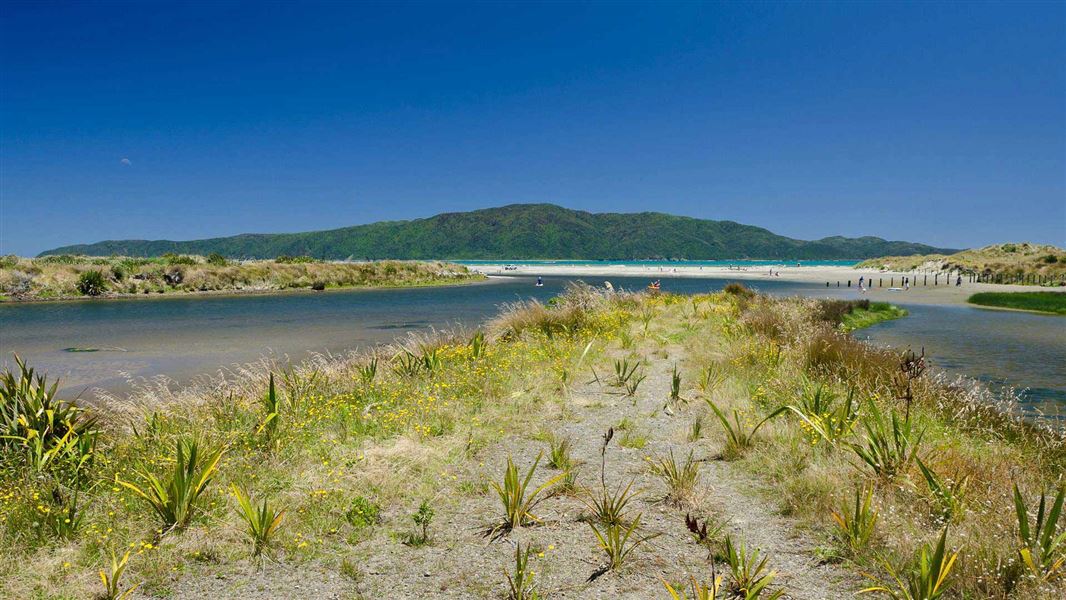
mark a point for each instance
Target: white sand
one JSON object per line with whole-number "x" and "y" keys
{"x": 917, "y": 294}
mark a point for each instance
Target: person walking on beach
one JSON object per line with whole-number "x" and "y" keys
{"x": 861, "y": 279}
{"x": 958, "y": 281}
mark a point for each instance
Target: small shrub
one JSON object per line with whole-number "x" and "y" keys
{"x": 363, "y": 512}
{"x": 285, "y": 259}
{"x": 739, "y": 290}
{"x": 423, "y": 518}
{"x": 91, "y": 283}
{"x": 318, "y": 285}
{"x": 216, "y": 259}
{"x": 178, "y": 259}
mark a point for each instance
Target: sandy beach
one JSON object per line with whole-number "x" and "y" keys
{"x": 886, "y": 285}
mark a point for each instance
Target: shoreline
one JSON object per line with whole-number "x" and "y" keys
{"x": 817, "y": 275}
{"x": 242, "y": 292}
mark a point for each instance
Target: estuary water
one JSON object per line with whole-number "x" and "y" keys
{"x": 185, "y": 337}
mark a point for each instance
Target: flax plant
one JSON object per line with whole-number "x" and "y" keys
{"x": 521, "y": 585}
{"x": 856, "y": 521}
{"x": 176, "y": 501}
{"x": 262, "y": 521}
{"x": 738, "y": 437}
{"x": 517, "y": 498}
{"x": 618, "y": 542}
{"x": 113, "y": 580}
{"x": 1043, "y": 551}
{"x": 926, "y": 579}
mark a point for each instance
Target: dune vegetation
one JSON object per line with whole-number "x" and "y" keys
{"x": 1014, "y": 263}
{"x": 728, "y": 445}
{"x": 66, "y": 276}
{"x": 1048, "y": 302}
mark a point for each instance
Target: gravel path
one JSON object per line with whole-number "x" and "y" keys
{"x": 464, "y": 562}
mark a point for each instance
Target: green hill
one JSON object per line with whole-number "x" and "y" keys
{"x": 522, "y": 231}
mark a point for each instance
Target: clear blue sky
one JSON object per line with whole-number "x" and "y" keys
{"x": 942, "y": 123}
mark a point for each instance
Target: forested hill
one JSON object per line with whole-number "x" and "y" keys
{"x": 523, "y": 231}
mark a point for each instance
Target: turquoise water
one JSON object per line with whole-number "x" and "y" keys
{"x": 186, "y": 337}
{"x": 664, "y": 263}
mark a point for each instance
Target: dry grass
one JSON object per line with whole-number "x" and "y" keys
{"x": 49, "y": 278}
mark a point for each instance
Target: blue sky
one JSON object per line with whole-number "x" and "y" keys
{"x": 943, "y": 123}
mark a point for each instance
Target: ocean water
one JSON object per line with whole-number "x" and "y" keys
{"x": 666, "y": 263}
{"x": 185, "y": 337}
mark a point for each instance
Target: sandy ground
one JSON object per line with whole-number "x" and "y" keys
{"x": 916, "y": 294}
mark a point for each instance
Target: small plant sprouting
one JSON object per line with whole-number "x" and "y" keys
{"x": 272, "y": 411}
{"x": 406, "y": 364}
{"x": 477, "y": 345}
{"x": 949, "y": 494}
{"x": 695, "y": 431}
{"x": 856, "y": 520}
{"x": 675, "y": 386}
{"x": 750, "y": 575}
{"x": 680, "y": 477}
{"x": 706, "y": 533}
{"x": 615, "y": 540}
{"x": 926, "y": 579}
{"x": 113, "y": 580}
{"x": 262, "y": 521}
{"x": 517, "y": 499}
{"x": 738, "y": 438}
{"x": 423, "y": 518}
{"x": 711, "y": 378}
{"x": 369, "y": 370}
{"x": 521, "y": 585}
{"x": 698, "y": 591}
{"x": 1043, "y": 552}
{"x": 559, "y": 454}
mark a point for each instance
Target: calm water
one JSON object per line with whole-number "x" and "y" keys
{"x": 184, "y": 337}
